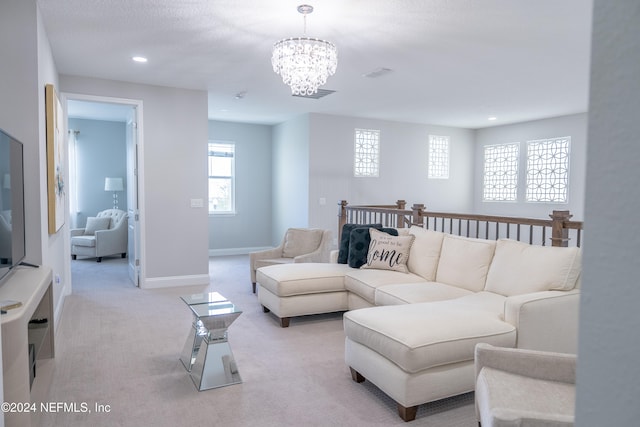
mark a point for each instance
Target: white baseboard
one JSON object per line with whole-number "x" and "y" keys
{"x": 174, "y": 281}
{"x": 236, "y": 251}
{"x": 59, "y": 305}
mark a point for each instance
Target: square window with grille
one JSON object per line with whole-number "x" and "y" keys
{"x": 548, "y": 170}
{"x": 438, "y": 166}
{"x": 221, "y": 177}
{"x": 366, "y": 153}
{"x": 501, "y": 172}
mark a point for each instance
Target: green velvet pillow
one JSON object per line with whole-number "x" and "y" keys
{"x": 359, "y": 245}
{"x": 343, "y": 253}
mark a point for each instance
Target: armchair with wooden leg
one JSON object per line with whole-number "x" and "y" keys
{"x": 298, "y": 245}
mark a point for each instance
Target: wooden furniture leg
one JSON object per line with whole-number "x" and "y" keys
{"x": 356, "y": 376}
{"x": 407, "y": 414}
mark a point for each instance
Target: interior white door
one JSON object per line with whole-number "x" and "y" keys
{"x": 133, "y": 249}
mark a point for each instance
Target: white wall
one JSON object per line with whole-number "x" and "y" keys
{"x": 403, "y": 167}
{"x": 574, "y": 126}
{"x": 19, "y": 109}
{"x": 175, "y": 243}
{"x": 22, "y": 115}
{"x": 290, "y": 184}
{"x": 250, "y": 228}
{"x": 608, "y": 370}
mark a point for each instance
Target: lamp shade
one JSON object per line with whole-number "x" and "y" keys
{"x": 113, "y": 184}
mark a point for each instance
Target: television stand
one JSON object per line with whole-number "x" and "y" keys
{"x": 23, "y": 328}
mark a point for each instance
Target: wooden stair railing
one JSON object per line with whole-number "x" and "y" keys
{"x": 558, "y": 229}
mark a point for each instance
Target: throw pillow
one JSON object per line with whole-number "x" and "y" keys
{"x": 343, "y": 253}
{"x": 359, "y": 241}
{"x": 388, "y": 252}
{"x": 96, "y": 224}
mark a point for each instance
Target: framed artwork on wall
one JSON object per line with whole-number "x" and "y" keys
{"x": 56, "y": 191}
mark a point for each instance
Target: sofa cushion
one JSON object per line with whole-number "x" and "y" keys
{"x": 86, "y": 241}
{"x": 302, "y": 278}
{"x": 343, "y": 247}
{"x": 464, "y": 262}
{"x": 481, "y": 301}
{"x": 359, "y": 241}
{"x": 425, "y": 252}
{"x": 421, "y": 336}
{"x": 364, "y": 282}
{"x": 301, "y": 241}
{"x": 387, "y": 252}
{"x": 412, "y": 293}
{"x": 519, "y": 268}
{"x": 96, "y": 224}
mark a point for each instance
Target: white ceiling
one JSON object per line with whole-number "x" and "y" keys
{"x": 454, "y": 62}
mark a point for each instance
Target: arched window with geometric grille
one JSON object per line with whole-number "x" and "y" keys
{"x": 366, "y": 153}
{"x": 501, "y": 172}
{"x": 548, "y": 170}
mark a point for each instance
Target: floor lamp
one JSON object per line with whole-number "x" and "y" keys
{"x": 115, "y": 185}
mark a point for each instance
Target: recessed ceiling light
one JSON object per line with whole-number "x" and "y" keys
{"x": 139, "y": 59}
{"x": 492, "y": 118}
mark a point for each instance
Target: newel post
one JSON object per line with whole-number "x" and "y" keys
{"x": 342, "y": 216}
{"x": 400, "y": 206}
{"x": 559, "y": 234}
{"x": 416, "y": 215}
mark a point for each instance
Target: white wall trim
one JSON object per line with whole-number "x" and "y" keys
{"x": 174, "y": 281}
{"x": 236, "y": 251}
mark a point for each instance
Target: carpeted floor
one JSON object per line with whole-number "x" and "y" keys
{"x": 117, "y": 350}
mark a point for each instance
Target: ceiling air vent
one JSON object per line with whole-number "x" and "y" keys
{"x": 378, "y": 72}
{"x": 321, "y": 93}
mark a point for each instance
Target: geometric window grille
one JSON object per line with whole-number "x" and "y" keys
{"x": 501, "y": 172}
{"x": 367, "y": 152}
{"x": 438, "y": 167}
{"x": 548, "y": 170}
{"x": 221, "y": 161}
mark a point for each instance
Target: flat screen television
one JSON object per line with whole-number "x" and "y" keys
{"x": 12, "y": 220}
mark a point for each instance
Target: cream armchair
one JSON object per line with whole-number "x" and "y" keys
{"x": 105, "y": 234}
{"x": 298, "y": 245}
{"x": 524, "y": 388}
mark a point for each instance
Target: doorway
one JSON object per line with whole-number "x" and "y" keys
{"x": 124, "y": 115}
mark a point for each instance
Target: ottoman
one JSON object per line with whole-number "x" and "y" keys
{"x": 290, "y": 290}
{"x": 419, "y": 353}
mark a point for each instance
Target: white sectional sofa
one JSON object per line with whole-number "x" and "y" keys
{"x": 413, "y": 334}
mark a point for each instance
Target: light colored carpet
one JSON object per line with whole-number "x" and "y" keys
{"x": 118, "y": 345}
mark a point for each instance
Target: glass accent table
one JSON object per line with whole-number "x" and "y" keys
{"x": 206, "y": 354}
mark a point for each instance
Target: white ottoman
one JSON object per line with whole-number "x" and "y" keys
{"x": 300, "y": 289}
{"x": 419, "y": 353}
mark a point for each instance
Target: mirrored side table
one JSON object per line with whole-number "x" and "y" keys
{"x": 206, "y": 354}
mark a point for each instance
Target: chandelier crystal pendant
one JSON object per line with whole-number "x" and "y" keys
{"x": 303, "y": 62}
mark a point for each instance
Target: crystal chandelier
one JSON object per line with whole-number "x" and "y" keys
{"x": 304, "y": 63}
